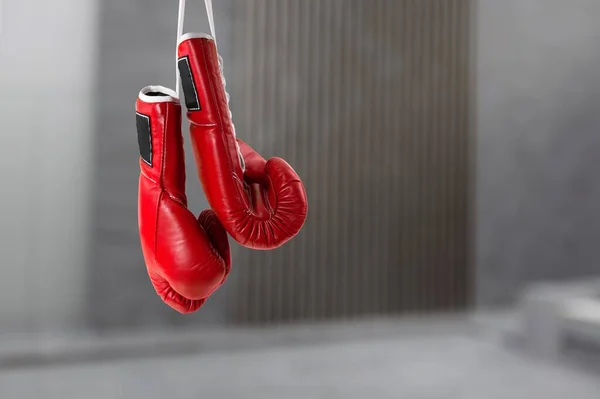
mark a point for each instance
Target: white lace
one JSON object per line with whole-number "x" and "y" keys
{"x": 227, "y": 97}
{"x": 224, "y": 81}
{"x": 211, "y": 22}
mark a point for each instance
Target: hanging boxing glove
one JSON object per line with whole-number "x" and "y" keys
{"x": 187, "y": 257}
{"x": 261, "y": 203}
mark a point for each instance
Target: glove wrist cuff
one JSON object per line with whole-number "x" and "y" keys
{"x": 158, "y": 94}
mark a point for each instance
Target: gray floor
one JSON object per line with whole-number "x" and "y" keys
{"x": 433, "y": 364}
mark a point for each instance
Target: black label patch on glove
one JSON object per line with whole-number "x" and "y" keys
{"x": 144, "y": 133}
{"x": 189, "y": 87}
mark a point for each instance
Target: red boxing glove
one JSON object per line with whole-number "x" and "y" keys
{"x": 262, "y": 204}
{"x": 187, "y": 257}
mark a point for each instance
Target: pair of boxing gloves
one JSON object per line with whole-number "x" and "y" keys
{"x": 260, "y": 203}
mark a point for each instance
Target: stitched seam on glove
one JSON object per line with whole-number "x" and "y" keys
{"x": 160, "y": 179}
{"x": 220, "y": 124}
{"x": 155, "y": 243}
{"x": 148, "y": 177}
{"x": 265, "y": 193}
{"x": 203, "y": 124}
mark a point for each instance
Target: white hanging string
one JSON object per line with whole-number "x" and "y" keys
{"x": 211, "y": 19}
{"x": 180, "y": 21}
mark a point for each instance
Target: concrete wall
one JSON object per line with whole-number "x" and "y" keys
{"x": 538, "y": 191}
{"x": 47, "y": 68}
{"x": 377, "y": 127}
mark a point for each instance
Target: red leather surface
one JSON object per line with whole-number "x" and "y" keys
{"x": 261, "y": 208}
{"x": 187, "y": 258}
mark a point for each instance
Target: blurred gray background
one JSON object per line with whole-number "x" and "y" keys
{"x": 447, "y": 148}
{"x": 537, "y": 144}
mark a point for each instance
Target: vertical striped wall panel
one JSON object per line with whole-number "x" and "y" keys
{"x": 369, "y": 101}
